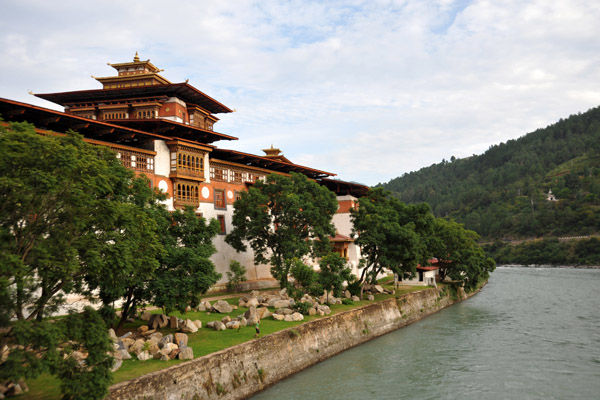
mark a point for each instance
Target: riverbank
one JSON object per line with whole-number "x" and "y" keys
{"x": 245, "y": 369}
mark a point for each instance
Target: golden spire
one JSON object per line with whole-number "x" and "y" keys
{"x": 136, "y": 58}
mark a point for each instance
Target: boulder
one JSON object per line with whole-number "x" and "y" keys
{"x": 297, "y": 316}
{"x": 124, "y": 354}
{"x": 281, "y": 304}
{"x": 355, "y": 298}
{"x": 152, "y": 348}
{"x": 325, "y": 309}
{"x": 211, "y": 324}
{"x": 116, "y": 364}
{"x": 377, "y": 289}
{"x": 254, "y": 293}
{"x": 158, "y": 321}
{"x": 312, "y": 311}
{"x": 165, "y": 340}
{"x": 173, "y": 322}
{"x": 145, "y": 316}
{"x": 320, "y": 313}
{"x": 285, "y": 311}
{"x": 127, "y": 342}
{"x": 142, "y": 329}
{"x": 137, "y": 346}
{"x": 251, "y": 316}
{"x": 252, "y": 302}
{"x": 233, "y": 325}
{"x": 155, "y": 337}
{"x": 148, "y": 333}
{"x": 181, "y": 339}
{"x": 219, "y": 326}
{"x": 188, "y": 326}
{"x": 370, "y": 297}
{"x": 187, "y": 353}
{"x": 226, "y": 319}
{"x": 347, "y": 294}
{"x": 112, "y": 335}
{"x": 222, "y": 307}
{"x": 143, "y": 356}
{"x": 278, "y": 317}
{"x": 263, "y": 312}
{"x": 243, "y": 321}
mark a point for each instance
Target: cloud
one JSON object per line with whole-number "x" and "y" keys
{"x": 366, "y": 89}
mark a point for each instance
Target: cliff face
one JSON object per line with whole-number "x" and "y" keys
{"x": 240, "y": 371}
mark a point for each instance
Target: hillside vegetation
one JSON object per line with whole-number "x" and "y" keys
{"x": 503, "y": 193}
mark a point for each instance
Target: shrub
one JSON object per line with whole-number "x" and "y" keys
{"x": 347, "y": 302}
{"x": 236, "y": 275}
{"x": 302, "y": 307}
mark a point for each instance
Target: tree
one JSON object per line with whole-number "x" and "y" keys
{"x": 283, "y": 219}
{"x": 58, "y": 199}
{"x": 334, "y": 272}
{"x": 235, "y": 276}
{"x": 134, "y": 252}
{"x": 459, "y": 256}
{"x": 185, "y": 270}
{"x": 390, "y": 234}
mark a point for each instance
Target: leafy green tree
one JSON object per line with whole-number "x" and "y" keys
{"x": 133, "y": 254}
{"x": 58, "y": 199}
{"x": 334, "y": 272}
{"x": 459, "y": 256}
{"x": 391, "y": 235}
{"x": 185, "y": 270}
{"x": 235, "y": 276}
{"x": 283, "y": 219}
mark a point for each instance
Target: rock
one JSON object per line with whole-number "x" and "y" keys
{"x": 281, "y": 304}
{"x": 124, "y": 354}
{"x": 312, "y": 311}
{"x": 155, "y": 337}
{"x": 14, "y": 390}
{"x": 222, "y": 307}
{"x": 377, "y": 289}
{"x": 142, "y": 329}
{"x": 219, "y": 326}
{"x": 145, "y": 316}
{"x": 78, "y": 355}
{"x": 251, "y": 316}
{"x": 23, "y": 385}
{"x": 226, "y": 319}
{"x": 173, "y": 354}
{"x": 288, "y": 318}
{"x": 127, "y": 342}
{"x": 355, "y": 298}
{"x": 116, "y": 364}
{"x": 325, "y": 309}
{"x": 278, "y": 317}
{"x": 347, "y": 294}
{"x": 211, "y": 324}
{"x": 188, "y": 326}
{"x": 148, "y": 333}
{"x": 206, "y": 305}
{"x": 143, "y": 356}
{"x": 187, "y": 353}
{"x": 242, "y": 303}
{"x": 112, "y": 335}
{"x": 283, "y": 292}
{"x": 297, "y": 316}
{"x": 181, "y": 339}
{"x": 263, "y": 312}
{"x": 285, "y": 311}
{"x": 173, "y": 322}
{"x": 158, "y": 321}
{"x": 153, "y": 348}
{"x": 198, "y": 323}
{"x": 370, "y": 297}
{"x": 137, "y": 346}
{"x": 165, "y": 340}
{"x": 254, "y": 293}
{"x": 201, "y": 307}
{"x": 233, "y": 325}
{"x": 243, "y": 321}
{"x": 252, "y": 302}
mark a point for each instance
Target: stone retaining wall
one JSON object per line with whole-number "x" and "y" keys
{"x": 243, "y": 370}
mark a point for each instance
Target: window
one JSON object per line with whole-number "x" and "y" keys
{"x": 220, "y": 202}
{"x": 186, "y": 194}
{"x": 238, "y": 195}
{"x": 221, "y": 219}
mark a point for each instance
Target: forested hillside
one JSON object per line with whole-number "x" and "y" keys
{"x": 503, "y": 193}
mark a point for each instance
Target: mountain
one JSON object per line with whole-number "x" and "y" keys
{"x": 504, "y": 193}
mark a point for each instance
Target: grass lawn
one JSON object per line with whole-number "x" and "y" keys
{"x": 204, "y": 342}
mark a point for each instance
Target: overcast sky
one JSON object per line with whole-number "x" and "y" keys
{"x": 365, "y": 89}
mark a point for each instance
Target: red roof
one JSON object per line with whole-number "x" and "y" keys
{"x": 341, "y": 238}
{"x": 427, "y": 268}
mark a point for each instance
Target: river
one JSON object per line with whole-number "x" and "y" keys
{"x": 529, "y": 334}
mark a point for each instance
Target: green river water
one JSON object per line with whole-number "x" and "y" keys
{"x": 531, "y": 333}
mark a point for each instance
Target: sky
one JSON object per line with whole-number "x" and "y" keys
{"x": 368, "y": 90}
